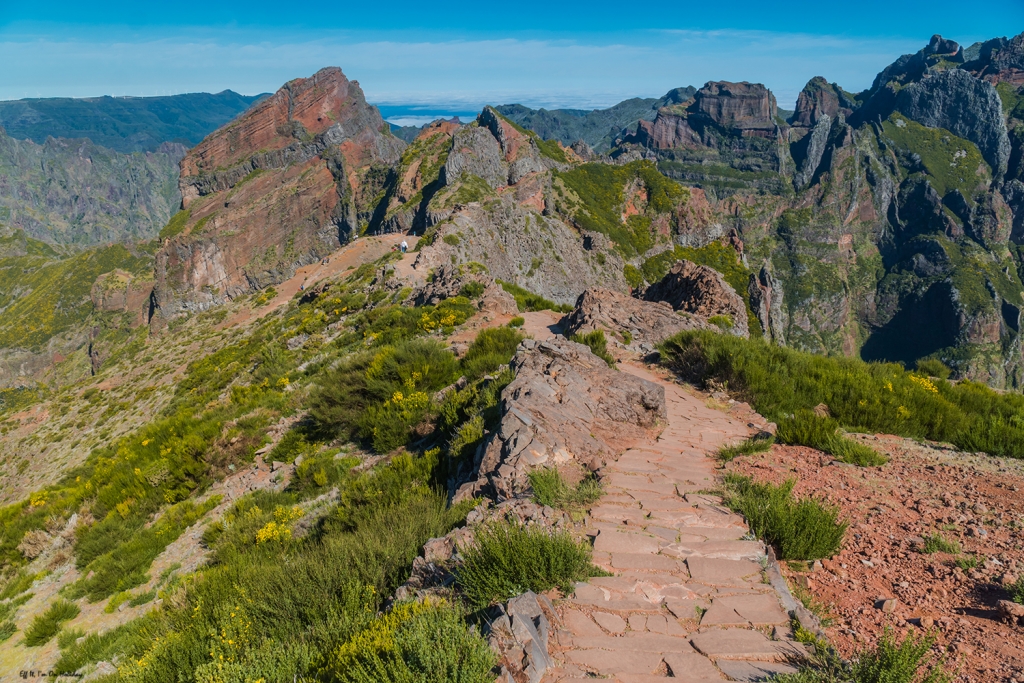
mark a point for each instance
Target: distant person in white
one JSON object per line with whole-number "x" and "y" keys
{"x": 405, "y": 246}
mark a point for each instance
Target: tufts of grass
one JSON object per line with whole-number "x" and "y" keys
{"x": 597, "y": 343}
{"x": 803, "y": 529}
{"x": 426, "y": 641}
{"x": 528, "y": 301}
{"x": 517, "y": 322}
{"x": 936, "y": 543}
{"x": 46, "y": 625}
{"x": 932, "y": 367}
{"x": 508, "y": 559}
{"x": 1017, "y": 590}
{"x": 876, "y": 397}
{"x": 549, "y": 488}
{"x": 967, "y": 562}
{"x": 890, "y": 661}
{"x": 807, "y": 429}
{"x": 748, "y": 447}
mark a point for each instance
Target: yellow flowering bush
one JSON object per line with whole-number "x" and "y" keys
{"x": 273, "y": 531}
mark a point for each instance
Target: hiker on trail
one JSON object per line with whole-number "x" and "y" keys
{"x": 405, "y": 246}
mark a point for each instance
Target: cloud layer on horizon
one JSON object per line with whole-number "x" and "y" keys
{"x": 458, "y": 72}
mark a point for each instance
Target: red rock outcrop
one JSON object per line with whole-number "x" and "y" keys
{"x": 648, "y": 322}
{"x": 817, "y": 99}
{"x": 746, "y": 109}
{"x": 701, "y": 291}
{"x": 281, "y": 186}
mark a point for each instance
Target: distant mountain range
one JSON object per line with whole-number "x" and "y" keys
{"x": 124, "y": 124}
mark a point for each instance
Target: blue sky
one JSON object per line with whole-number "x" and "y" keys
{"x": 457, "y": 56}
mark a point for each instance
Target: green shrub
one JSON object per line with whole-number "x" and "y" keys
{"x": 967, "y": 562}
{"x": 528, "y": 301}
{"x": 889, "y": 661}
{"x": 634, "y": 278}
{"x": 492, "y": 348}
{"x": 597, "y": 343}
{"x": 876, "y": 397}
{"x": 822, "y": 433}
{"x": 46, "y": 625}
{"x": 472, "y": 290}
{"x": 549, "y": 488}
{"x": 932, "y": 367}
{"x": 802, "y": 529}
{"x": 427, "y": 642}
{"x": 509, "y": 559}
{"x": 1017, "y": 590}
{"x": 748, "y": 447}
{"x": 722, "y": 322}
{"x": 936, "y": 543}
{"x": 517, "y": 322}
{"x": 7, "y": 629}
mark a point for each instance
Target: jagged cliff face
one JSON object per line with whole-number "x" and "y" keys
{"x": 73, "y": 192}
{"x": 283, "y": 185}
{"x": 892, "y": 218}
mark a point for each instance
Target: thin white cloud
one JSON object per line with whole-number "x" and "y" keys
{"x": 550, "y": 71}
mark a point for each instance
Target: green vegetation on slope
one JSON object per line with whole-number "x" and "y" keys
{"x": 950, "y": 162}
{"x": 42, "y": 298}
{"x": 880, "y": 397}
{"x": 599, "y": 189}
{"x": 528, "y": 301}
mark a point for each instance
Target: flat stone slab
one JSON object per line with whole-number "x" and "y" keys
{"x": 714, "y": 570}
{"x": 579, "y": 624}
{"x": 726, "y": 550}
{"x": 615, "y": 661}
{"x": 626, "y": 542}
{"x": 751, "y": 672}
{"x": 690, "y": 666}
{"x": 610, "y": 622}
{"x": 759, "y": 610}
{"x": 645, "y": 561}
{"x": 745, "y": 644}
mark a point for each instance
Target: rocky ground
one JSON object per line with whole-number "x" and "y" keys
{"x": 884, "y": 579}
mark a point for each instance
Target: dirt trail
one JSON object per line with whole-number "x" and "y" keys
{"x": 687, "y": 599}
{"x": 352, "y": 255}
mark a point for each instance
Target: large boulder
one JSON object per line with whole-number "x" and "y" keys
{"x": 700, "y": 291}
{"x": 648, "y": 323}
{"x": 565, "y": 404}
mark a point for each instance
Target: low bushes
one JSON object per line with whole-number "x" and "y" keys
{"x": 426, "y": 642}
{"x": 597, "y": 343}
{"x": 879, "y": 397}
{"x": 492, "y": 348}
{"x": 807, "y": 429}
{"x": 508, "y": 559}
{"x": 528, "y": 301}
{"x": 890, "y": 661}
{"x": 803, "y": 529}
{"x": 1017, "y": 590}
{"x": 46, "y": 625}
{"x": 549, "y": 488}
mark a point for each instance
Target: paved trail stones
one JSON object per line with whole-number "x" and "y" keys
{"x": 686, "y": 600}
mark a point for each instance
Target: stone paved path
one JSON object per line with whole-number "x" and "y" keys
{"x": 686, "y": 600}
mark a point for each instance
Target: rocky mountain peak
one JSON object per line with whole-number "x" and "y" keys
{"x": 819, "y": 98}
{"x": 299, "y": 110}
{"x": 746, "y": 107}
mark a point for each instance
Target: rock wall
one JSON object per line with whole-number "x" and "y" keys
{"x": 565, "y": 404}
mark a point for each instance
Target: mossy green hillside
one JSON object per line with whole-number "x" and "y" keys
{"x": 597, "y": 201}
{"x": 950, "y": 162}
{"x": 42, "y": 297}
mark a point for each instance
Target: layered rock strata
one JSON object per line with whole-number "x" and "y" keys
{"x": 702, "y": 292}
{"x": 647, "y": 323}
{"x": 281, "y": 186}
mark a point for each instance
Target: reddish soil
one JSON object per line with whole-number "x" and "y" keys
{"x": 974, "y": 500}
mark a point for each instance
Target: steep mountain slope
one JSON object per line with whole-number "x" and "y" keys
{"x": 124, "y": 124}
{"x": 599, "y": 128}
{"x": 283, "y": 185}
{"x": 74, "y": 192}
